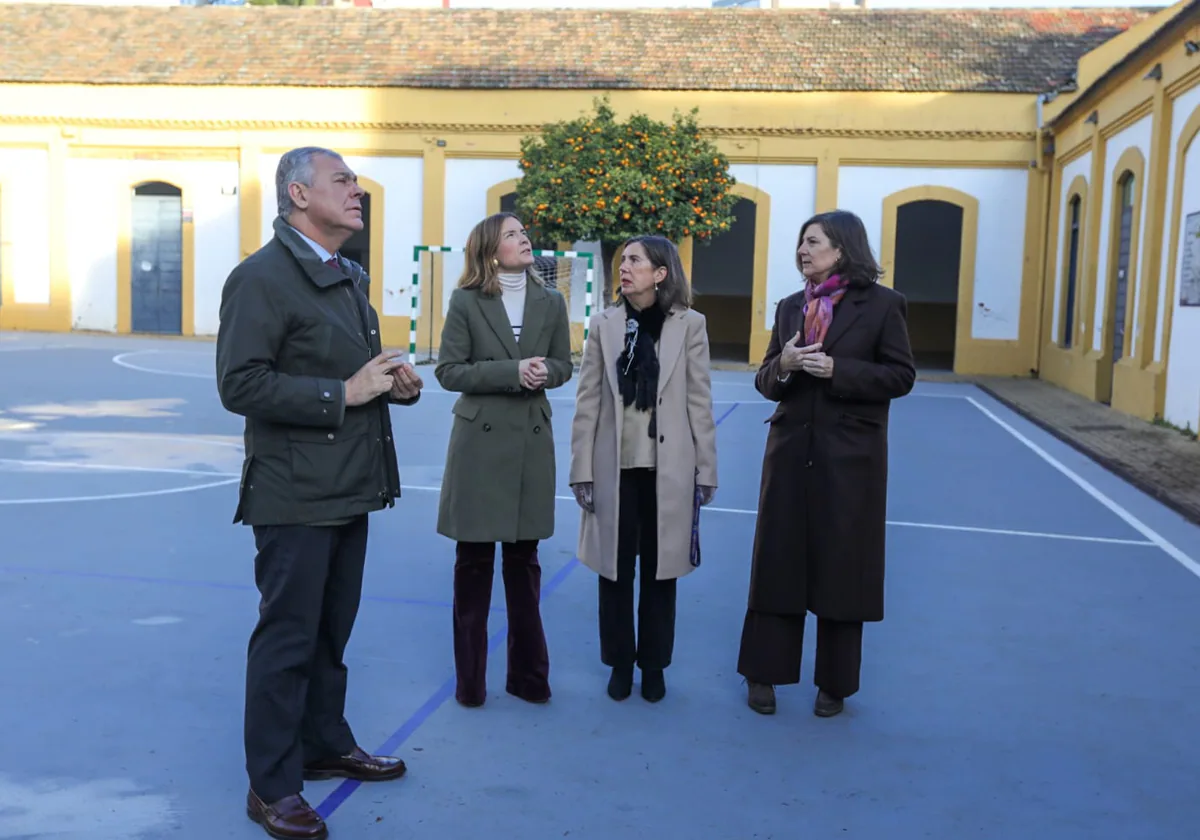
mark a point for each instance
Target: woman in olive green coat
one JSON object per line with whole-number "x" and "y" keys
{"x": 505, "y": 342}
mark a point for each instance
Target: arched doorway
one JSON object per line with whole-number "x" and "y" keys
{"x": 928, "y": 253}
{"x": 156, "y": 259}
{"x": 1124, "y": 221}
{"x": 358, "y": 246}
{"x": 1074, "y": 237}
{"x": 723, "y": 284}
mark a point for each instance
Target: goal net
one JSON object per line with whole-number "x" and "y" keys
{"x": 436, "y": 269}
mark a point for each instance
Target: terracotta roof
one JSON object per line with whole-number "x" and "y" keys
{"x": 1007, "y": 50}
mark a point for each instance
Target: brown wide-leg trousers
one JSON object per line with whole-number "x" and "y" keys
{"x": 771, "y": 647}
{"x": 528, "y": 659}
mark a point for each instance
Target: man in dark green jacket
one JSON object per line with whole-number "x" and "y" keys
{"x": 299, "y": 356}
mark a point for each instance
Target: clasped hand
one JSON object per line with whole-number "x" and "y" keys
{"x": 385, "y": 374}
{"x": 808, "y": 359}
{"x": 533, "y": 372}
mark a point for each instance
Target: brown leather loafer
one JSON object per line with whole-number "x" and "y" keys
{"x": 358, "y": 765}
{"x": 291, "y": 818}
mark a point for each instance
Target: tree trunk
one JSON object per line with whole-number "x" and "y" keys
{"x": 608, "y": 253}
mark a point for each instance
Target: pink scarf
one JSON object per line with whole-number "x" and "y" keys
{"x": 818, "y": 307}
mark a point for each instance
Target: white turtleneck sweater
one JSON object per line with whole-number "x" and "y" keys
{"x": 512, "y": 288}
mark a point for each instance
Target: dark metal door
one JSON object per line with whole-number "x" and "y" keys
{"x": 156, "y": 263}
{"x": 1068, "y": 335}
{"x": 1122, "y": 275}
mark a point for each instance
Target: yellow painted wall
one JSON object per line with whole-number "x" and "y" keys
{"x": 839, "y": 129}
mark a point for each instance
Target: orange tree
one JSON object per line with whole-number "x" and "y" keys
{"x": 594, "y": 178}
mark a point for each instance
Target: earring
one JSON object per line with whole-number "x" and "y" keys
{"x": 495, "y": 262}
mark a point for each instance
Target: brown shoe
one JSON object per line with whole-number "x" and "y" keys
{"x": 761, "y": 698}
{"x": 827, "y": 705}
{"x": 291, "y": 818}
{"x": 358, "y": 765}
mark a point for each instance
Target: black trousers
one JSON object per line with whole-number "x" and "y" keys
{"x": 649, "y": 647}
{"x": 772, "y": 644}
{"x": 528, "y": 658}
{"x": 310, "y": 580}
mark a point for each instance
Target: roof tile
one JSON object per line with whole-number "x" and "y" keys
{"x": 985, "y": 50}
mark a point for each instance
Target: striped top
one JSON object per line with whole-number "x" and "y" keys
{"x": 512, "y": 288}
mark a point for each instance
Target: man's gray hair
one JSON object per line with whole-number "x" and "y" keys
{"x": 296, "y": 166}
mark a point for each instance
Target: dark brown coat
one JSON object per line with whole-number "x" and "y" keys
{"x": 819, "y": 542}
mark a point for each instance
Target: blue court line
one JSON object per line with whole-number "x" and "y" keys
{"x": 444, "y": 692}
{"x": 200, "y": 584}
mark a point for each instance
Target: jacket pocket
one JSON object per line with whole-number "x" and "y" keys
{"x": 329, "y": 465}
{"x": 466, "y": 410}
{"x": 859, "y": 421}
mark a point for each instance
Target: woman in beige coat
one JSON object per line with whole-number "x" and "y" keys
{"x": 643, "y": 458}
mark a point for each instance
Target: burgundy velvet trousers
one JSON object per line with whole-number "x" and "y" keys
{"x": 528, "y": 659}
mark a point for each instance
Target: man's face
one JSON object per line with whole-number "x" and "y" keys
{"x": 334, "y": 201}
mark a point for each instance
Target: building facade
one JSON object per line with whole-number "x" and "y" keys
{"x": 1121, "y": 307}
{"x": 133, "y": 180}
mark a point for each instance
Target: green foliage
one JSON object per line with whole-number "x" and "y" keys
{"x": 594, "y": 178}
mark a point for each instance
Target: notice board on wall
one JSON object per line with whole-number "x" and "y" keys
{"x": 1189, "y": 269}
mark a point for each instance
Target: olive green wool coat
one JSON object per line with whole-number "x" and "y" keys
{"x": 499, "y": 481}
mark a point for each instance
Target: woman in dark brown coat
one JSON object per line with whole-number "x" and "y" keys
{"x": 839, "y": 354}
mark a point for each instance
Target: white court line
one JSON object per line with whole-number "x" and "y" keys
{"x": 112, "y": 496}
{"x": 74, "y": 465}
{"x": 1141, "y": 527}
{"x": 121, "y": 360}
{"x": 968, "y": 528}
{"x": 231, "y": 479}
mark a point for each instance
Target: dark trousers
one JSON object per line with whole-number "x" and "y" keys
{"x": 772, "y": 644}
{"x": 650, "y": 648}
{"x": 310, "y": 580}
{"x": 528, "y": 659}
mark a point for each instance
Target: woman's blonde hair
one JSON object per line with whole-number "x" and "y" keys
{"x": 480, "y": 270}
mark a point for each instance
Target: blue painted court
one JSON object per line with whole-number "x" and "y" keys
{"x": 1036, "y": 676}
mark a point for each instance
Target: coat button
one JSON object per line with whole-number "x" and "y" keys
{"x": 809, "y": 464}
{"x": 536, "y": 429}
{"x": 330, "y": 435}
{"x": 661, "y": 438}
{"x": 487, "y": 427}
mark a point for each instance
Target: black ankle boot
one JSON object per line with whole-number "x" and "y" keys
{"x": 654, "y": 685}
{"x": 620, "y": 684}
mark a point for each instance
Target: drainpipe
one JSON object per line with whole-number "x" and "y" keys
{"x": 1047, "y": 175}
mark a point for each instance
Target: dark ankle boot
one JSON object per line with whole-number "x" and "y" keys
{"x": 761, "y": 698}
{"x": 827, "y": 705}
{"x": 654, "y": 685}
{"x": 620, "y": 684}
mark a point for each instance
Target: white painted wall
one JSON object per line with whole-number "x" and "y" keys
{"x": 1135, "y": 136}
{"x": 793, "y": 192}
{"x": 1183, "y": 107}
{"x": 1183, "y": 357}
{"x": 1000, "y": 252}
{"x": 1080, "y": 166}
{"x": 402, "y": 182}
{"x": 467, "y": 185}
{"x": 25, "y": 224}
{"x": 92, "y": 232}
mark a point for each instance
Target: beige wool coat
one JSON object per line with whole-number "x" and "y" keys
{"x": 687, "y": 444}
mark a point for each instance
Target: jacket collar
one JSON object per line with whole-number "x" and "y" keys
{"x": 320, "y": 273}
{"x": 533, "y": 318}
